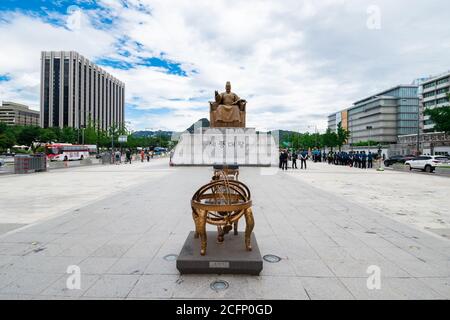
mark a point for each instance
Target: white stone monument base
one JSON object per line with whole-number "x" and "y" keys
{"x": 226, "y": 146}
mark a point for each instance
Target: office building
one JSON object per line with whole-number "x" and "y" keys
{"x": 18, "y": 114}
{"x": 75, "y": 93}
{"x": 434, "y": 92}
{"x": 337, "y": 118}
{"x": 381, "y": 117}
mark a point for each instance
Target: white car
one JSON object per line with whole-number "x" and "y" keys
{"x": 426, "y": 163}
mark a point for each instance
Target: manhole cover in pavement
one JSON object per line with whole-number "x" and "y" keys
{"x": 171, "y": 257}
{"x": 219, "y": 285}
{"x": 271, "y": 258}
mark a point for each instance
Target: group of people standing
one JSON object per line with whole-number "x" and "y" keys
{"x": 286, "y": 156}
{"x": 355, "y": 159}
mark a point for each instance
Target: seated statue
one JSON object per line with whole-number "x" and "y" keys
{"x": 228, "y": 110}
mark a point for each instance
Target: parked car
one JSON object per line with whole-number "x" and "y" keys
{"x": 2, "y": 162}
{"x": 397, "y": 159}
{"x": 426, "y": 163}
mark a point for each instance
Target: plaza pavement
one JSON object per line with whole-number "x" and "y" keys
{"x": 326, "y": 239}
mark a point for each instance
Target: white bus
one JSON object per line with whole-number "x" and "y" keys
{"x": 66, "y": 152}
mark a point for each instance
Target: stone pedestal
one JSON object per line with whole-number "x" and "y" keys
{"x": 229, "y": 257}
{"x": 239, "y": 146}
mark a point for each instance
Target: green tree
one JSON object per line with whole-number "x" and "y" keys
{"x": 28, "y": 135}
{"x": 3, "y": 127}
{"x": 330, "y": 139}
{"x": 47, "y": 135}
{"x": 440, "y": 117}
{"x": 90, "y": 135}
{"x": 57, "y": 131}
{"x": 342, "y": 136}
{"x": 69, "y": 135}
{"x": 7, "y": 140}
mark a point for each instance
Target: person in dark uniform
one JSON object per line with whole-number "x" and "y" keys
{"x": 294, "y": 160}
{"x": 303, "y": 157}
{"x": 284, "y": 160}
{"x": 364, "y": 160}
{"x": 281, "y": 160}
{"x": 370, "y": 160}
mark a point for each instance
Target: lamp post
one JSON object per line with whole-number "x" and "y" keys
{"x": 369, "y": 128}
{"x": 380, "y": 159}
{"x": 351, "y": 133}
{"x": 112, "y": 139}
{"x": 315, "y": 133}
{"x": 418, "y": 129}
{"x": 82, "y": 134}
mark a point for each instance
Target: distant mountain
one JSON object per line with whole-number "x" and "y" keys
{"x": 201, "y": 123}
{"x": 143, "y": 134}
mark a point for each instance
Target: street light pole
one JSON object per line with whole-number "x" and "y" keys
{"x": 418, "y": 131}
{"x": 351, "y": 134}
{"x": 112, "y": 139}
{"x": 82, "y": 134}
{"x": 368, "y": 142}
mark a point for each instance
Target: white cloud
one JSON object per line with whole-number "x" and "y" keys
{"x": 294, "y": 61}
{"x": 24, "y": 37}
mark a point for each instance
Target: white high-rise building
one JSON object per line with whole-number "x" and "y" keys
{"x": 434, "y": 93}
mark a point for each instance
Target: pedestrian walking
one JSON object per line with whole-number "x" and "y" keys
{"x": 118, "y": 157}
{"x": 128, "y": 156}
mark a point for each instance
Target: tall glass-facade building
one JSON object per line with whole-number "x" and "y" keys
{"x": 75, "y": 93}
{"x": 384, "y": 116}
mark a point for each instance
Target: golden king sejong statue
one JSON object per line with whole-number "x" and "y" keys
{"x": 224, "y": 200}
{"x": 228, "y": 110}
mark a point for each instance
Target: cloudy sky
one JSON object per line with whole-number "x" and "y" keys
{"x": 294, "y": 61}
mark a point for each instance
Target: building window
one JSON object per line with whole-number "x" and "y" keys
{"x": 442, "y": 100}
{"x": 442, "y": 81}
{"x": 86, "y": 92}
{"x": 429, "y": 85}
{"x": 66, "y": 93}
{"x": 89, "y": 119}
{"x": 46, "y": 92}
{"x": 94, "y": 103}
{"x": 79, "y": 95}
{"x": 429, "y": 94}
{"x": 74, "y": 105}
{"x": 56, "y": 88}
{"x": 443, "y": 90}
